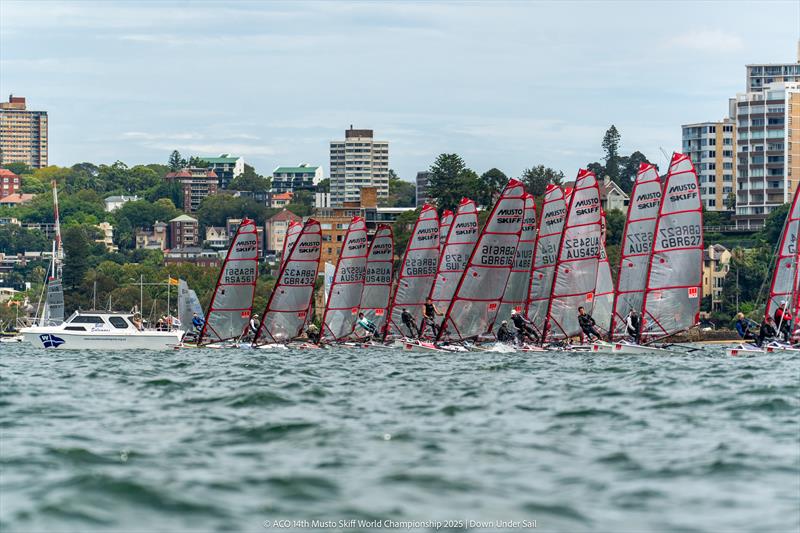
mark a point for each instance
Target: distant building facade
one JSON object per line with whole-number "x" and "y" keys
{"x": 712, "y": 148}
{"x": 23, "y": 134}
{"x": 16, "y": 199}
{"x": 275, "y": 231}
{"x": 278, "y": 200}
{"x": 301, "y": 177}
{"x": 194, "y": 255}
{"x": 155, "y": 238}
{"x": 197, "y": 183}
{"x": 226, "y": 167}
{"x": 107, "y": 236}
{"x": 322, "y": 199}
{"x": 612, "y": 196}
{"x": 216, "y": 238}
{"x": 334, "y": 222}
{"x": 423, "y": 182}
{"x": 716, "y": 264}
{"x": 115, "y": 202}
{"x": 355, "y": 162}
{"x": 9, "y": 183}
{"x": 184, "y": 232}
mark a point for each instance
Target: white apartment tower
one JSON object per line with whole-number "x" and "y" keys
{"x": 358, "y": 161}
{"x": 712, "y": 148}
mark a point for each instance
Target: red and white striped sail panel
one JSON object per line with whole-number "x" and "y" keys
{"x": 344, "y": 298}
{"x": 784, "y": 279}
{"x": 603, "y": 300}
{"x": 292, "y": 232}
{"x": 378, "y": 279}
{"x": 229, "y": 311}
{"x": 673, "y": 290}
{"x": 458, "y": 247}
{"x": 637, "y": 243}
{"x": 551, "y": 225}
{"x": 417, "y": 271}
{"x": 288, "y": 305}
{"x": 516, "y": 295}
{"x": 575, "y": 275}
{"x": 444, "y": 227}
{"x": 474, "y": 307}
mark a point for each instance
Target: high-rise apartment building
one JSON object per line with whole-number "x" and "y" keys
{"x": 358, "y": 161}
{"x": 226, "y": 167}
{"x": 423, "y": 182}
{"x": 768, "y": 150}
{"x": 23, "y": 134}
{"x": 301, "y": 177}
{"x": 197, "y": 183}
{"x": 759, "y": 76}
{"x": 712, "y": 148}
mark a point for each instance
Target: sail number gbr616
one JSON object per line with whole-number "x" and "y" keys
{"x": 679, "y": 236}
{"x": 498, "y": 255}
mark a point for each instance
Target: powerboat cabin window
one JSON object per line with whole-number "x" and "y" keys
{"x": 87, "y": 319}
{"x": 118, "y": 322}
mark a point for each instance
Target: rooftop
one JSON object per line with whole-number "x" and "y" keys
{"x": 300, "y": 169}
{"x": 4, "y": 172}
{"x": 183, "y": 218}
{"x": 285, "y": 214}
{"x": 18, "y": 198}
{"x": 123, "y": 198}
{"x": 223, "y": 158}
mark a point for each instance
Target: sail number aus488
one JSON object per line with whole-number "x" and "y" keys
{"x": 679, "y": 236}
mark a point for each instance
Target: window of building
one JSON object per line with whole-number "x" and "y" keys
{"x": 712, "y": 203}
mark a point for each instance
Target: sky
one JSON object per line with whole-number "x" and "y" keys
{"x": 507, "y": 85}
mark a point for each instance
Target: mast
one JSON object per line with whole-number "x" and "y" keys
{"x": 637, "y": 243}
{"x": 474, "y": 306}
{"x": 674, "y": 277}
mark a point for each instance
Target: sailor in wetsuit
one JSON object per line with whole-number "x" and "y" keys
{"x": 633, "y": 325}
{"x": 524, "y": 327}
{"x": 252, "y": 327}
{"x": 743, "y": 328}
{"x": 408, "y": 321}
{"x": 783, "y": 318}
{"x": 429, "y": 314}
{"x": 587, "y": 324}
{"x": 766, "y": 331}
{"x": 367, "y": 325}
{"x": 504, "y": 334}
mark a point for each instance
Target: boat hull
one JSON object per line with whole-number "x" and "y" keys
{"x": 745, "y": 349}
{"x": 638, "y": 349}
{"x": 54, "y": 338}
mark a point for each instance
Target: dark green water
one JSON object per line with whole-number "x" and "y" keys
{"x": 226, "y": 440}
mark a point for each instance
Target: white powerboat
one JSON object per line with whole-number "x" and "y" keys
{"x": 100, "y": 330}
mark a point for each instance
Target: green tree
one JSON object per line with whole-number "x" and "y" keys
{"x": 615, "y": 226}
{"x": 18, "y": 168}
{"x": 76, "y": 255}
{"x": 324, "y": 185}
{"x": 629, "y": 168}
{"x": 402, "y": 228}
{"x": 15, "y": 239}
{"x": 197, "y": 162}
{"x": 773, "y": 225}
{"x": 538, "y": 177}
{"x": 250, "y": 181}
{"x": 401, "y": 193}
{"x": 492, "y": 182}
{"x": 450, "y": 180}
{"x": 730, "y": 201}
{"x": 610, "y": 144}
{"x": 215, "y": 210}
{"x": 176, "y": 162}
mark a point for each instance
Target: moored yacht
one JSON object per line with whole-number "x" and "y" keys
{"x": 87, "y": 330}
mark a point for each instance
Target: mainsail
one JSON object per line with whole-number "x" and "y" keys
{"x": 341, "y": 311}
{"x": 575, "y": 274}
{"x": 378, "y": 279}
{"x": 188, "y": 305}
{"x": 232, "y": 301}
{"x": 637, "y": 243}
{"x": 784, "y": 278}
{"x": 444, "y": 227}
{"x": 288, "y": 304}
{"x": 417, "y": 270}
{"x": 456, "y": 252}
{"x": 603, "y": 300}
{"x": 551, "y": 225}
{"x": 672, "y": 294}
{"x": 54, "y": 303}
{"x": 474, "y": 307}
{"x": 292, "y": 232}
{"x": 516, "y": 294}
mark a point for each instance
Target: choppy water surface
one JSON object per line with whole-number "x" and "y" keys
{"x": 225, "y": 440}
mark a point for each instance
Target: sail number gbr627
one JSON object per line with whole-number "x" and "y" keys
{"x": 679, "y": 237}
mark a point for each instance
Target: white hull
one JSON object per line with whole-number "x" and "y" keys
{"x": 56, "y": 337}
{"x": 744, "y": 349}
{"x": 602, "y": 347}
{"x": 782, "y": 348}
{"x": 638, "y": 349}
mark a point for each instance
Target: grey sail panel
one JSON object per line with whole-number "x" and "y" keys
{"x": 344, "y": 299}
{"x": 287, "y": 307}
{"x": 603, "y": 299}
{"x": 579, "y": 254}
{"x": 456, "y": 252}
{"x": 232, "y": 301}
{"x": 551, "y": 225}
{"x": 444, "y": 227}
{"x": 637, "y": 242}
{"x": 54, "y": 303}
{"x": 673, "y": 293}
{"x": 474, "y": 307}
{"x": 417, "y": 271}
{"x": 188, "y": 304}
{"x": 784, "y": 278}
{"x": 378, "y": 278}
{"x": 516, "y": 295}
{"x": 292, "y": 232}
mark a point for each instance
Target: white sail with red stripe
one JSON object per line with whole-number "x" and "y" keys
{"x": 673, "y": 289}
{"x": 417, "y": 271}
{"x": 551, "y": 225}
{"x": 603, "y": 300}
{"x": 378, "y": 279}
{"x": 344, "y": 299}
{"x": 637, "y": 243}
{"x": 445, "y": 222}
{"x": 287, "y": 307}
{"x": 516, "y": 295}
{"x": 229, "y": 311}
{"x": 292, "y": 232}
{"x": 575, "y": 274}
{"x": 474, "y": 307}
{"x": 783, "y": 287}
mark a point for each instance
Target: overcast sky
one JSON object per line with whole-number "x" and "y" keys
{"x": 509, "y": 85}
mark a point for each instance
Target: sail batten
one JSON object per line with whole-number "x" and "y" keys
{"x": 378, "y": 277}
{"x": 477, "y": 299}
{"x": 516, "y": 293}
{"x": 673, "y": 288}
{"x": 344, "y": 299}
{"x": 229, "y": 310}
{"x": 288, "y": 305}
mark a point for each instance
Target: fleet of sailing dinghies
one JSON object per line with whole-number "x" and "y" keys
{"x": 575, "y": 274}
{"x": 378, "y": 278}
{"x": 287, "y": 307}
{"x": 444, "y": 227}
{"x": 344, "y": 299}
{"x": 551, "y": 225}
{"x": 672, "y": 292}
{"x": 784, "y": 286}
{"x": 637, "y": 244}
{"x": 459, "y": 243}
{"x": 516, "y": 295}
{"x": 417, "y": 271}
{"x": 474, "y": 306}
{"x": 603, "y": 300}
{"x": 229, "y": 310}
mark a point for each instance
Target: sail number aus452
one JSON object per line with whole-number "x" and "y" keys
{"x": 679, "y": 236}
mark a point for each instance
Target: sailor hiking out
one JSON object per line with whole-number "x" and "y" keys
{"x": 768, "y": 331}
{"x": 588, "y": 325}
{"x": 429, "y": 314}
{"x": 504, "y": 334}
{"x": 743, "y": 328}
{"x": 525, "y": 330}
{"x": 633, "y": 325}
{"x": 783, "y": 318}
{"x": 367, "y": 325}
{"x": 408, "y": 321}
